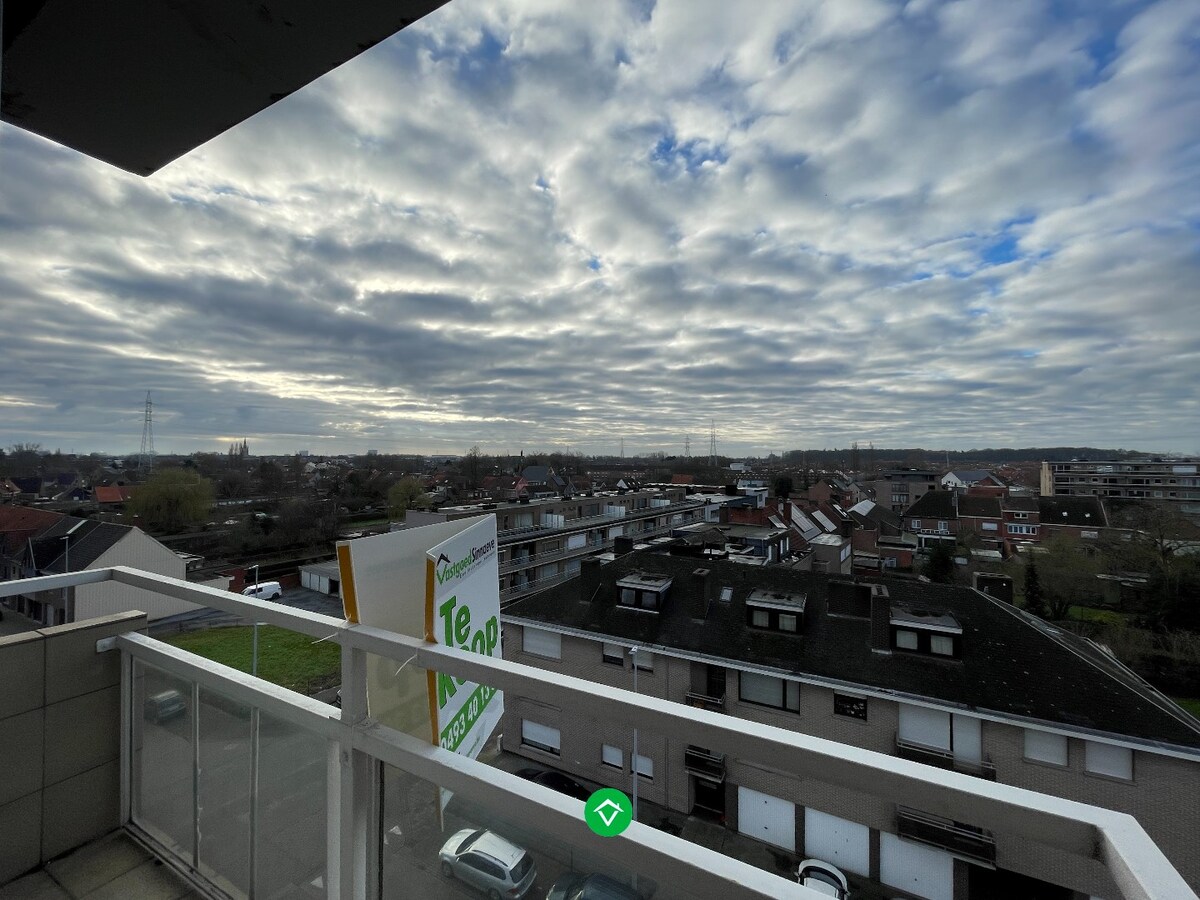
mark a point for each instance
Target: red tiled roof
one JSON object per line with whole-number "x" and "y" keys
{"x": 683, "y": 479}
{"x": 19, "y": 523}
{"x": 113, "y": 494}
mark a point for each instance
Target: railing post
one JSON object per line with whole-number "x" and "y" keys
{"x": 351, "y": 791}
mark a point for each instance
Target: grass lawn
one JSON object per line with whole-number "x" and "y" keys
{"x": 285, "y": 658}
{"x": 1091, "y": 614}
{"x": 1191, "y": 705}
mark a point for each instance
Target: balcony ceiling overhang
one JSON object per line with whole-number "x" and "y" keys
{"x": 138, "y": 83}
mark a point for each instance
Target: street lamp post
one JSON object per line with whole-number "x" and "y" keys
{"x": 254, "y": 648}
{"x": 66, "y": 539}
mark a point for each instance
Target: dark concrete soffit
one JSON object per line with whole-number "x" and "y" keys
{"x": 139, "y": 83}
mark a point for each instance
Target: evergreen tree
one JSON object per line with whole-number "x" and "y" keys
{"x": 940, "y": 568}
{"x": 1035, "y": 603}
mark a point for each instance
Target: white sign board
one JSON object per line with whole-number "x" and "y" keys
{"x": 464, "y": 590}
{"x": 439, "y": 582}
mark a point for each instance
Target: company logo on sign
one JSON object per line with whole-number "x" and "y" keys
{"x": 463, "y": 566}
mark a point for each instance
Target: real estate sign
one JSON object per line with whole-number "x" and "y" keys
{"x": 439, "y": 582}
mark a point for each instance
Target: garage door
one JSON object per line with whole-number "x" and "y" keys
{"x": 915, "y": 868}
{"x": 767, "y": 818}
{"x": 844, "y": 843}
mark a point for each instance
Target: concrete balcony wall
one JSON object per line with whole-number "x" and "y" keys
{"x": 59, "y": 738}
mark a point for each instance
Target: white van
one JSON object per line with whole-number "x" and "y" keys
{"x": 266, "y": 590}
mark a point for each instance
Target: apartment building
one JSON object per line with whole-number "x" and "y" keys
{"x": 943, "y": 675}
{"x": 898, "y": 489}
{"x": 1175, "y": 480}
{"x": 542, "y": 541}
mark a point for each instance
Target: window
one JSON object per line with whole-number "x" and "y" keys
{"x": 1105, "y": 759}
{"x": 1022, "y": 529}
{"x": 1046, "y": 747}
{"x": 760, "y": 618}
{"x": 540, "y": 642}
{"x": 613, "y": 756}
{"x": 941, "y": 644}
{"x": 787, "y": 622}
{"x": 628, "y": 596}
{"x": 943, "y": 526}
{"x": 906, "y": 640}
{"x": 644, "y": 660}
{"x": 852, "y": 707}
{"x": 989, "y": 526}
{"x": 726, "y": 594}
{"x": 769, "y": 691}
{"x": 614, "y": 654}
{"x": 540, "y": 737}
{"x": 1020, "y": 515}
{"x": 916, "y": 524}
{"x": 644, "y": 766}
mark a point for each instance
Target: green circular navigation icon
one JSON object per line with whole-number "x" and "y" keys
{"x": 608, "y": 812}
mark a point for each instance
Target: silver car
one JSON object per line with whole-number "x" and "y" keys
{"x": 487, "y": 861}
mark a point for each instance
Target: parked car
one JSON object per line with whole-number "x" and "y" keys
{"x": 575, "y": 886}
{"x": 489, "y": 862}
{"x": 164, "y": 706}
{"x": 267, "y": 590}
{"x": 824, "y": 878}
{"x": 556, "y": 781}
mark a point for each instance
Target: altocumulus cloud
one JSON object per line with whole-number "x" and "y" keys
{"x": 538, "y": 223}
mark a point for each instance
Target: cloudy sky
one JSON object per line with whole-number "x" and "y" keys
{"x": 540, "y": 223}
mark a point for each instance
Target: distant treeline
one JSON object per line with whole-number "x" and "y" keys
{"x": 886, "y": 455}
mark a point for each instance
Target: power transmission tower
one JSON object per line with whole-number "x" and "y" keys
{"x": 687, "y": 445}
{"x": 146, "y": 456}
{"x": 712, "y": 445}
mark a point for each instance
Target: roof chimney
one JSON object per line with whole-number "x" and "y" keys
{"x": 699, "y": 593}
{"x": 589, "y": 579}
{"x": 622, "y": 544}
{"x": 881, "y": 619}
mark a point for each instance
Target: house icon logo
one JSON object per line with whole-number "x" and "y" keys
{"x": 608, "y": 812}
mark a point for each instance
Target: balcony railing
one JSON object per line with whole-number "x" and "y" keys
{"x": 704, "y": 701}
{"x": 510, "y": 535}
{"x": 943, "y": 759}
{"x": 235, "y": 781}
{"x": 963, "y": 840}
{"x": 710, "y": 766}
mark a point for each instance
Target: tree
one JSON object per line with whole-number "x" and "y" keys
{"x": 172, "y": 500}
{"x": 1068, "y": 575}
{"x": 233, "y": 484}
{"x": 783, "y": 486}
{"x": 940, "y": 567}
{"x": 403, "y": 496}
{"x": 1035, "y": 604}
{"x": 270, "y": 477}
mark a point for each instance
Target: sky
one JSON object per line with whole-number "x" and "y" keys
{"x": 524, "y": 224}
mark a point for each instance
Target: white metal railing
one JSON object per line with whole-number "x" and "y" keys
{"x": 356, "y": 743}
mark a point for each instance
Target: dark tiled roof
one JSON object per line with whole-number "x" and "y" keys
{"x": 1085, "y": 511}
{"x": 972, "y": 476}
{"x": 1022, "y": 504}
{"x": 933, "y": 505}
{"x": 1012, "y": 664}
{"x": 980, "y": 507}
{"x": 86, "y": 544}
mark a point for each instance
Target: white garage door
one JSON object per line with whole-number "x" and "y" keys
{"x": 915, "y": 868}
{"x": 844, "y": 843}
{"x": 767, "y": 818}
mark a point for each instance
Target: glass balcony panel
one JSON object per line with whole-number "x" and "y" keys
{"x": 163, "y": 802}
{"x": 291, "y": 822}
{"x": 225, "y": 781}
{"x": 413, "y": 837}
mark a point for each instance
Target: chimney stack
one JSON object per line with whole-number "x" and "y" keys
{"x": 589, "y": 579}
{"x": 699, "y": 593}
{"x": 881, "y": 619}
{"x": 622, "y": 545}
